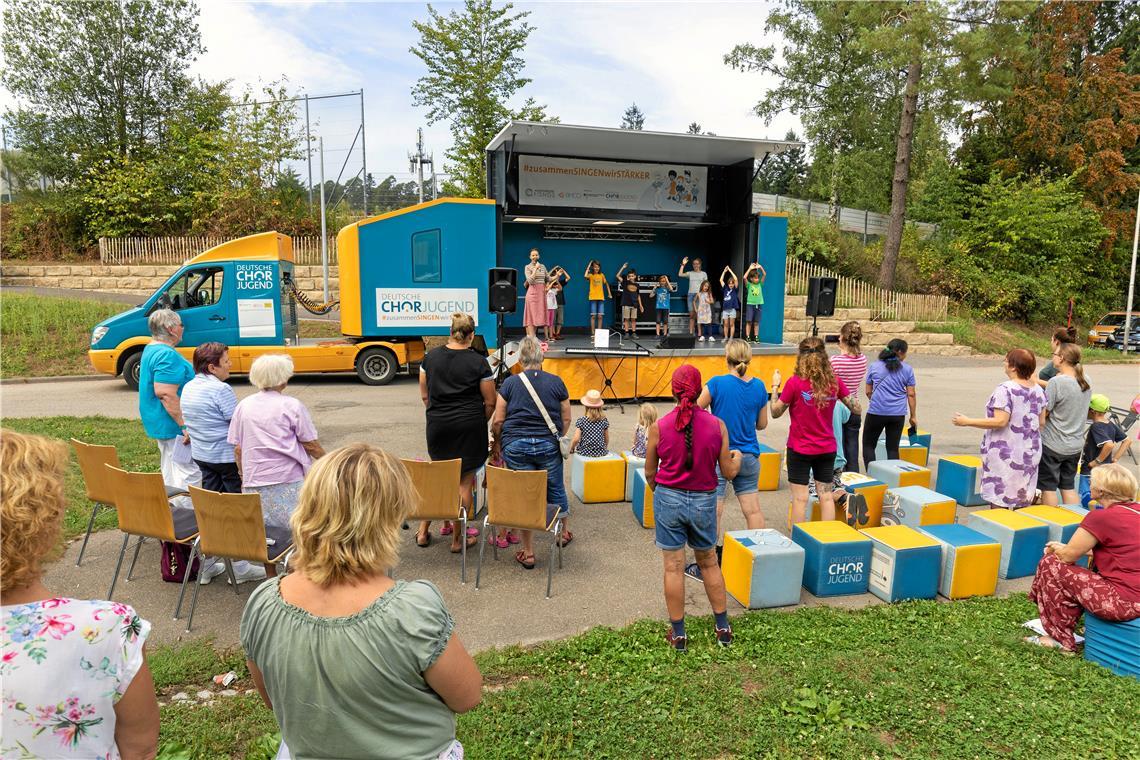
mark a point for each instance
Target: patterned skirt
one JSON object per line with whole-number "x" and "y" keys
{"x": 277, "y": 501}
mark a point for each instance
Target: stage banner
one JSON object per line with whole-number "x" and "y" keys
{"x": 424, "y": 307}
{"x": 573, "y": 182}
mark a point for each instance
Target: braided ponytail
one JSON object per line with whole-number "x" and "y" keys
{"x": 689, "y": 446}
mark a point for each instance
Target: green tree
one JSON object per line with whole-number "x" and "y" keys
{"x": 784, "y": 173}
{"x": 694, "y": 128}
{"x": 633, "y": 118}
{"x": 95, "y": 79}
{"x": 474, "y": 68}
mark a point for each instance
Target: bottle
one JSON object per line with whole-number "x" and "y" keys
{"x": 776, "y": 380}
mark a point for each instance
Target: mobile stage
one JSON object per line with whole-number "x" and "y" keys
{"x": 649, "y": 200}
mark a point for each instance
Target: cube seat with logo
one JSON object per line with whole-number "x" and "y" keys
{"x": 837, "y": 558}
{"x": 916, "y": 505}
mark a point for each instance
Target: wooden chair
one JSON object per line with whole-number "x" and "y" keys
{"x": 437, "y": 486}
{"x": 517, "y": 499}
{"x": 231, "y": 526}
{"x": 92, "y": 459}
{"x": 143, "y": 509}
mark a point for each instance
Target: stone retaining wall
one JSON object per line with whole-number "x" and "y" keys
{"x": 135, "y": 280}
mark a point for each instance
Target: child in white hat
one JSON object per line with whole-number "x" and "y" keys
{"x": 592, "y": 429}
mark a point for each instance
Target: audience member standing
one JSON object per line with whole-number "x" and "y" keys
{"x": 353, "y": 663}
{"x": 458, "y": 390}
{"x": 208, "y": 404}
{"x": 163, "y": 372}
{"x": 1063, "y": 436}
{"x": 1011, "y": 445}
{"x": 684, "y": 451}
{"x": 76, "y": 683}
{"x": 850, "y": 366}
{"x": 890, "y": 387}
{"x": 809, "y": 397}
{"x": 1061, "y": 336}
{"x": 524, "y": 438}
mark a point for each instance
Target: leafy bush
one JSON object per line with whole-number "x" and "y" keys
{"x": 44, "y": 227}
{"x": 1020, "y": 249}
{"x": 816, "y": 241}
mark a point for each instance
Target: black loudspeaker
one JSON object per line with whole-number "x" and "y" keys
{"x": 821, "y": 296}
{"x": 502, "y": 290}
{"x": 678, "y": 340}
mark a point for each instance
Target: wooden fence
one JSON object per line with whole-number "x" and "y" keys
{"x": 176, "y": 250}
{"x": 856, "y": 294}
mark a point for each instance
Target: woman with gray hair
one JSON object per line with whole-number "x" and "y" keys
{"x": 524, "y": 439}
{"x": 274, "y": 440}
{"x": 162, "y": 374}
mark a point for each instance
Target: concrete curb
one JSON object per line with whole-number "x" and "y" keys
{"x": 59, "y": 379}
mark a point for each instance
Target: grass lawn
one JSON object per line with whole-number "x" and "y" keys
{"x": 999, "y": 337}
{"x": 319, "y": 328}
{"x": 45, "y": 336}
{"x": 136, "y": 453}
{"x": 918, "y": 679}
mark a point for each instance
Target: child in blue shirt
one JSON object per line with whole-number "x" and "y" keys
{"x": 729, "y": 303}
{"x": 662, "y": 293}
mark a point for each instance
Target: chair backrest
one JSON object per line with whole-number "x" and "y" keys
{"x": 437, "y": 486}
{"x": 517, "y": 499}
{"x": 1125, "y": 418}
{"x": 230, "y": 525}
{"x": 91, "y": 460}
{"x": 141, "y": 503}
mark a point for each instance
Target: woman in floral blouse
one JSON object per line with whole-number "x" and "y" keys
{"x": 74, "y": 673}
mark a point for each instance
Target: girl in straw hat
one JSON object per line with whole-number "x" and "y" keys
{"x": 592, "y": 429}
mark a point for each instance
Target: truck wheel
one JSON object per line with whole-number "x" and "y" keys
{"x": 376, "y": 366}
{"x": 131, "y": 367}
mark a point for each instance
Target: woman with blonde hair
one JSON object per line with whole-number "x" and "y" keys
{"x": 274, "y": 443}
{"x": 353, "y": 663}
{"x": 458, "y": 391}
{"x": 1063, "y": 591}
{"x": 75, "y": 679}
{"x": 850, "y": 366}
{"x": 809, "y": 397}
{"x": 1067, "y": 396}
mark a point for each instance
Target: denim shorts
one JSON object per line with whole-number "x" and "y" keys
{"x": 597, "y": 308}
{"x": 745, "y": 481}
{"x": 684, "y": 517}
{"x": 728, "y": 314}
{"x": 540, "y": 454}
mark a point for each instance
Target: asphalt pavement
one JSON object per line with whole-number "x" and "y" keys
{"x": 612, "y": 571}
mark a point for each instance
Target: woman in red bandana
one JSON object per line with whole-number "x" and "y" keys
{"x": 682, "y": 453}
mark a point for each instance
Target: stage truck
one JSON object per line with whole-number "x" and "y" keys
{"x": 578, "y": 194}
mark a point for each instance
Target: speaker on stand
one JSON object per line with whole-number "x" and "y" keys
{"x": 502, "y": 298}
{"x": 821, "y": 299}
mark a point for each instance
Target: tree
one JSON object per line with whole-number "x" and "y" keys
{"x": 633, "y": 118}
{"x": 474, "y": 68}
{"x": 95, "y": 79}
{"x": 694, "y": 128}
{"x": 784, "y": 173}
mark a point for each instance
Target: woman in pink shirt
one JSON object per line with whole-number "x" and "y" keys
{"x": 682, "y": 452}
{"x": 809, "y": 397}
{"x": 274, "y": 439}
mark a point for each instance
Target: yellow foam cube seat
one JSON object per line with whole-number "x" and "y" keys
{"x": 915, "y": 506}
{"x": 631, "y": 465}
{"x": 642, "y": 502}
{"x": 1021, "y": 537}
{"x": 970, "y": 561}
{"x": 769, "y": 479}
{"x": 762, "y": 568}
{"x": 598, "y": 479}
{"x": 869, "y": 513}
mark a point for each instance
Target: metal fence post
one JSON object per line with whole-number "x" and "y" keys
{"x": 866, "y": 215}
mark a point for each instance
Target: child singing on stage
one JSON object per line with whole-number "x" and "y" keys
{"x": 729, "y": 303}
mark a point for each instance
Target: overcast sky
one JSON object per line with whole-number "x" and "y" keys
{"x": 588, "y": 62}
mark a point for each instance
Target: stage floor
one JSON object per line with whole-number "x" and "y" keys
{"x": 635, "y": 368}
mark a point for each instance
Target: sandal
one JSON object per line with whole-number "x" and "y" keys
{"x": 423, "y": 540}
{"x": 497, "y": 541}
{"x": 446, "y": 530}
{"x": 512, "y": 538}
{"x": 521, "y": 558}
{"x": 471, "y": 541}
{"x": 1048, "y": 642}
{"x": 566, "y": 538}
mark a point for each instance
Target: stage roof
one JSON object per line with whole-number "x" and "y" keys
{"x": 544, "y": 138}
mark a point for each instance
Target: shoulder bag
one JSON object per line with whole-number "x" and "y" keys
{"x": 563, "y": 441}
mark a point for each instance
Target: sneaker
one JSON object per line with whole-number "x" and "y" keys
{"x": 252, "y": 573}
{"x": 724, "y": 636}
{"x": 701, "y": 339}
{"x": 693, "y": 570}
{"x": 680, "y": 643}
{"x": 207, "y": 574}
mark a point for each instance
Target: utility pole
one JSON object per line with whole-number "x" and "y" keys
{"x": 363, "y": 155}
{"x": 324, "y": 230}
{"x": 418, "y": 159}
{"x": 309, "y": 151}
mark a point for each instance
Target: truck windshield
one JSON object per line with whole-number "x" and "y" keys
{"x": 197, "y": 287}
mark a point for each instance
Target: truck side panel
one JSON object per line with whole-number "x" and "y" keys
{"x": 413, "y": 268}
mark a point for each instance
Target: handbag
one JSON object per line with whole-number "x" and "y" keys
{"x": 174, "y": 559}
{"x": 563, "y": 441}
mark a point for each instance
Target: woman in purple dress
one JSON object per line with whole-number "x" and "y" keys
{"x": 1011, "y": 446}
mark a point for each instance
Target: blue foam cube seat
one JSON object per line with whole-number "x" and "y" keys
{"x": 642, "y": 503}
{"x": 1115, "y": 646}
{"x": 631, "y": 464}
{"x": 1022, "y": 539}
{"x": 905, "y": 564}
{"x": 762, "y": 568}
{"x": 837, "y": 558}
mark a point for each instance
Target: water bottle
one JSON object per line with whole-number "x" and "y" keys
{"x": 776, "y": 379}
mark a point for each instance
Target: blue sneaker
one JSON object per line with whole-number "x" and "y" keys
{"x": 680, "y": 643}
{"x": 693, "y": 570}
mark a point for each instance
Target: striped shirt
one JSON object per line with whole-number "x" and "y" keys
{"x": 208, "y": 406}
{"x": 850, "y": 369}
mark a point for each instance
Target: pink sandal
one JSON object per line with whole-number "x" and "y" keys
{"x": 498, "y": 541}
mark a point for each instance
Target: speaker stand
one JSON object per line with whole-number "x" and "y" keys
{"x": 500, "y": 370}
{"x": 814, "y": 326}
